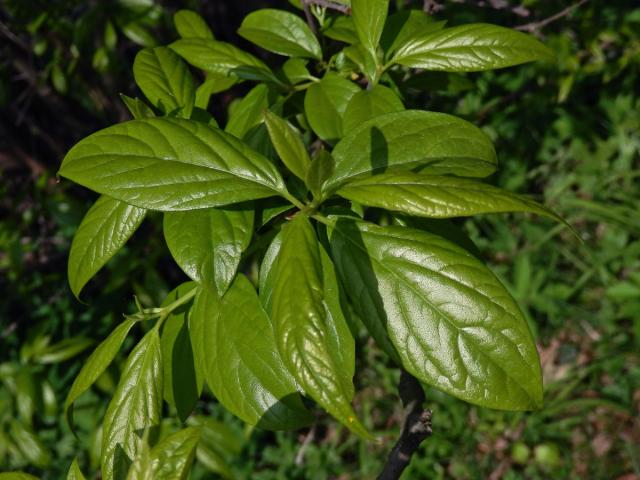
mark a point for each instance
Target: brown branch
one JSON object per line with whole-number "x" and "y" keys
{"x": 346, "y": 9}
{"x": 535, "y": 26}
{"x": 431, "y": 7}
{"x": 416, "y": 428}
{"x": 307, "y": 13}
{"x": 518, "y": 10}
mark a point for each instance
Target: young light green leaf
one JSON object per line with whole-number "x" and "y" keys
{"x": 368, "y": 104}
{"x": 191, "y": 25}
{"x": 172, "y": 457}
{"x": 325, "y": 103}
{"x": 171, "y": 164}
{"x": 280, "y": 32}
{"x": 306, "y": 316}
{"x": 137, "y": 107}
{"x": 244, "y": 370}
{"x": 451, "y": 321}
{"x": 471, "y": 48}
{"x": 365, "y": 60}
{"x": 136, "y": 405}
{"x": 288, "y": 143}
{"x": 214, "y": 56}
{"x": 165, "y": 80}
{"x": 182, "y": 386}
{"x": 407, "y": 24}
{"x": 434, "y": 143}
{"x": 248, "y": 111}
{"x": 96, "y": 364}
{"x": 208, "y": 243}
{"x": 74, "y": 471}
{"x": 369, "y": 17}
{"x": 104, "y": 230}
{"x": 437, "y": 196}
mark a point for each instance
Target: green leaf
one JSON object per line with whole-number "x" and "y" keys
{"x": 280, "y": 32}
{"x": 214, "y": 56}
{"x": 451, "y": 321}
{"x": 165, "y": 80}
{"x": 208, "y": 244}
{"x": 172, "y": 457}
{"x": 96, "y": 364}
{"x": 248, "y": 111}
{"x": 215, "y": 83}
{"x": 74, "y": 471}
{"x": 103, "y": 231}
{"x": 366, "y": 62}
{"x": 191, "y": 25}
{"x": 171, "y": 164}
{"x": 29, "y": 444}
{"x": 288, "y": 144}
{"x": 136, "y": 405}
{"x": 17, "y": 476}
{"x": 369, "y": 17}
{"x": 244, "y": 370}
{"x": 295, "y": 71}
{"x": 368, "y": 104}
{"x": 64, "y": 350}
{"x": 434, "y": 143}
{"x": 437, "y": 196}
{"x": 325, "y": 103}
{"x": 137, "y": 107}
{"x": 407, "y": 24}
{"x": 471, "y": 48}
{"x": 182, "y": 387}
{"x": 135, "y": 32}
{"x": 322, "y": 167}
{"x": 341, "y": 28}
{"x": 311, "y": 332}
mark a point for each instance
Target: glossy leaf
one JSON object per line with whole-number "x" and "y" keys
{"x": 451, "y": 321}
{"x": 102, "y": 233}
{"x": 321, "y": 168}
{"x": 248, "y": 111}
{"x": 434, "y": 143}
{"x": 368, "y": 104}
{"x": 407, "y": 24}
{"x": 280, "y": 32}
{"x": 165, "y": 80}
{"x": 208, "y": 244}
{"x": 471, "y": 48}
{"x": 137, "y": 107}
{"x": 295, "y": 70}
{"x": 172, "y": 457}
{"x": 96, "y": 364}
{"x": 136, "y": 405}
{"x": 288, "y": 144}
{"x": 311, "y": 333}
{"x": 437, "y": 196}
{"x": 191, "y": 25}
{"x": 365, "y": 61}
{"x": 325, "y": 103}
{"x": 74, "y": 471}
{"x": 214, "y": 56}
{"x": 341, "y": 28}
{"x": 182, "y": 387}
{"x": 368, "y": 18}
{"x": 171, "y": 164}
{"x": 214, "y": 83}
{"x": 244, "y": 370}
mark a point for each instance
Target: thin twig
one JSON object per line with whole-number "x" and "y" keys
{"x": 519, "y": 10}
{"x": 534, "y": 26}
{"x": 416, "y": 428}
{"x": 346, "y": 9}
{"x": 309, "y": 437}
{"x": 307, "y": 13}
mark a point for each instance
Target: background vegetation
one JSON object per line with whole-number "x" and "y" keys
{"x": 567, "y": 133}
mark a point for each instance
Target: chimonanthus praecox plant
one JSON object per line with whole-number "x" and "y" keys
{"x": 308, "y": 216}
